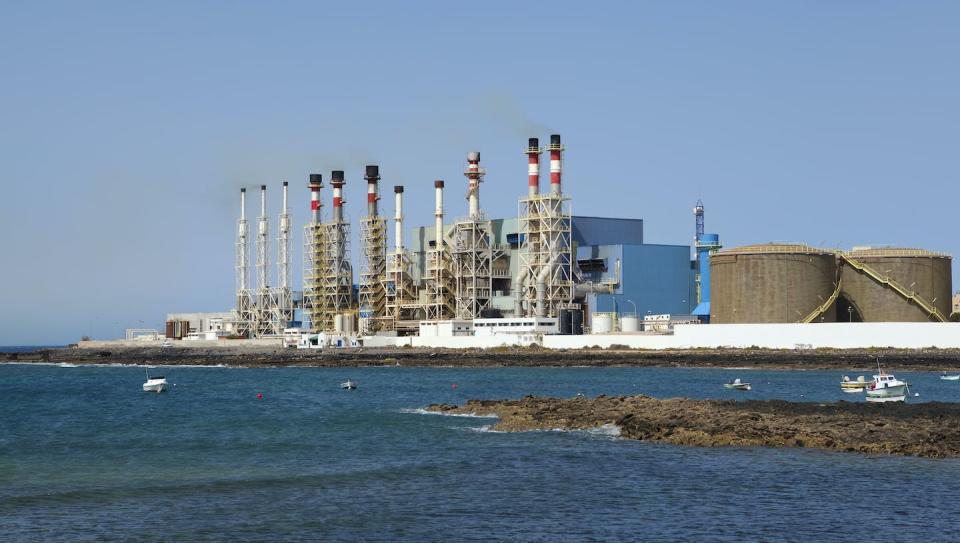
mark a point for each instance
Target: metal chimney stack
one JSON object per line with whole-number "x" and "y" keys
{"x": 315, "y": 184}
{"x": 533, "y": 166}
{"x": 438, "y": 213}
{"x": 398, "y": 218}
{"x": 372, "y": 177}
{"x": 474, "y": 175}
{"x": 336, "y": 180}
{"x": 556, "y": 163}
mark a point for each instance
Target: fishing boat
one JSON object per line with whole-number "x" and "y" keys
{"x": 736, "y": 384}
{"x": 886, "y": 388}
{"x": 348, "y": 385}
{"x": 946, "y": 377}
{"x": 854, "y": 386}
{"x": 156, "y": 383}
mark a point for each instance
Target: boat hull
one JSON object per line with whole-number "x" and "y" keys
{"x": 950, "y": 377}
{"x": 884, "y": 399}
{"x": 883, "y": 394}
{"x": 154, "y": 387}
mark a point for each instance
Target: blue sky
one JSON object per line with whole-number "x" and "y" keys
{"x": 127, "y": 128}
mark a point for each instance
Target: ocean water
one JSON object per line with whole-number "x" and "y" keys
{"x": 86, "y": 456}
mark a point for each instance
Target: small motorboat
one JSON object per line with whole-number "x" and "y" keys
{"x": 946, "y": 377}
{"x": 886, "y": 388}
{"x": 348, "y": 385}
{"x": 156, "y": 383}
{"x": 854, "y": 386}
{"x": 737, "y": 384}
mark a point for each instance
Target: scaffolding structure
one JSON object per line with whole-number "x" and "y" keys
{"x": 373, "y": 245}
{"x": 441, "y": 300}
{"x": 282, "y": 311}
{"x": 402, "y": 303}
{"x": 336, "y": 271}
{"x": 315, "y": 310}
{"x": 546, "y": 254}
{"x": 243, "y": 311}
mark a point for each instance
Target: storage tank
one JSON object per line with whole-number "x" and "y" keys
{"x": 771, "y": 283}
{"x": 925, "y": 273}
{"x": 630, "y": 323}
{"x": 602, "y": 323}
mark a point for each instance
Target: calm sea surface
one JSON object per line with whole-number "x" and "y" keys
{"x": 86, "y": 456}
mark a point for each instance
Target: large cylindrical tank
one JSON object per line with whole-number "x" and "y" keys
{"x": 629, "y": 323}
{"x": 923, "y": 272}
{"x": 602, "y": 323}
{"x": 771, "y": 283}
{"x": 338, "y": 323}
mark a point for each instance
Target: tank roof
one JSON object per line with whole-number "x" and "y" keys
{"x": 775, "y": 248}
{"x": 894, "y": 252}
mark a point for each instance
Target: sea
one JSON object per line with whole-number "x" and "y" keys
{"x": 283, "y": 454}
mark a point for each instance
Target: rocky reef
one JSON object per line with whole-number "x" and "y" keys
{"x": 927, "y": 429}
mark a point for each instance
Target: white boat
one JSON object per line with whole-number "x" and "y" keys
{"x": 946, "y": 377}
{"x": 736, "y": 384}
{"x": 886, "y": 388}
{"x": 854, "y": 386}
{"x": 155, "y": 384}
{"x": 348, "y": 385}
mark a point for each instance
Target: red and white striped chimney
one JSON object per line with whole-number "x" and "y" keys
{"x": 315, "y": 184}
{"x": 533, "y": 166}
{"x": 336, "y": 180}
{"x": 373, "y": 177}
{"x": 556, "y": 163}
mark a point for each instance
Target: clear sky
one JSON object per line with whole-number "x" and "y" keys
{"x": 126, "y": 129}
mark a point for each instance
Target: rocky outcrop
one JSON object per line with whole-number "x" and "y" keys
{"x": 927, "y": 429}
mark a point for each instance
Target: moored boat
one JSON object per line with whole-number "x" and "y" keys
{"x": 886, "y": 388}
{"x": 854, "y": 385}
{"x": 157, "y": 383}
{"x": 736, "y": 384}
{"x": 946, "y": 377}
{"x": 348, "y": 385}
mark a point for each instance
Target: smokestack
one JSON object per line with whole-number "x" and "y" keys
{"x": 283, "y": 247}
{"x": 336, "y": 179}
{"x": 438, "y": 213}
{"x": 243, "y": 207}
{"x": 398, "y": 218}
{"x": 474, "y": 175}
{"x": 533, "y": 166}
{"x": 372, "y": 177}
{"x": 315, "y": 184}
{"x": 263, "y": 200}
{"x": 284, "y": 197}
{"x": 556, "y": 163}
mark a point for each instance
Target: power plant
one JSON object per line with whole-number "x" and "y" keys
{"x": 548, "y": 271}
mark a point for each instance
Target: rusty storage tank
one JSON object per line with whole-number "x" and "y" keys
{"x": 772, "y": 283}
{"x": 871, "y": 298}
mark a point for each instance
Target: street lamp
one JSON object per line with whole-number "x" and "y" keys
{"x": 634, "y": 307}
{"x": 850, "y": 311}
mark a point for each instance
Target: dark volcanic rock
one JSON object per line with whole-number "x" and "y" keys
{"x": 928, "y": 429}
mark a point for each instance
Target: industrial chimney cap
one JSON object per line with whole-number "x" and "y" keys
{"x": 438, "y": 183}
{"x": 555, "y": 138}
{"x": 243, "y": 190}
{"x": 473, "y": 156}
{"x": 533, "y": 142}
{"x": 284, "y": 183}
{"x": 316, "y": 179}
{"x": 398, "y": 189}
{"x": 263, "y": 187}
{"x": 373, "y": 171}
{"x": 336, "y": 175}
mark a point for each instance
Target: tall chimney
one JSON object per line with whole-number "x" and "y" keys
{"x": 398, "y": 218}
{"x": 533, "y": 166}
{"x": 474, "y": 175}
{"x": 556, "y": 163}
{"x": 315, "y": 184}
{"x": 263, "y": 201}
{"x": 372, "y": 177}
{"x": 336, "y": 179}
{"x": 438, "y": 213}
{"x": 243, "y": 207}
{"x": 283, "y": 247}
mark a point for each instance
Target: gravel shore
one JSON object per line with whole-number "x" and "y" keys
{"x": 846, "y": 360}
{"x": 929, "y": 430}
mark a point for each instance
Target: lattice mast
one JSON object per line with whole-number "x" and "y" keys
{"x": 314, "y": 249}
{"x": 401, "y": 295}
{"x": 338, "y": 282}
{"x": 242, "y": 313}
{"x": 472, "y": 252}
{"x": 441, "y": 303}
{"x": 373, "y": 245}
{"x": 283, "y": 295}
{"x": 546, "y": 275}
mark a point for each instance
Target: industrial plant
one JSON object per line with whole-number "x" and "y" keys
{"x": 544, "y": 272}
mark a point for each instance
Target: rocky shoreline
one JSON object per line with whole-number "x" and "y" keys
{"x": 930, "y": 430}
{"x": 820, "y": 359}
